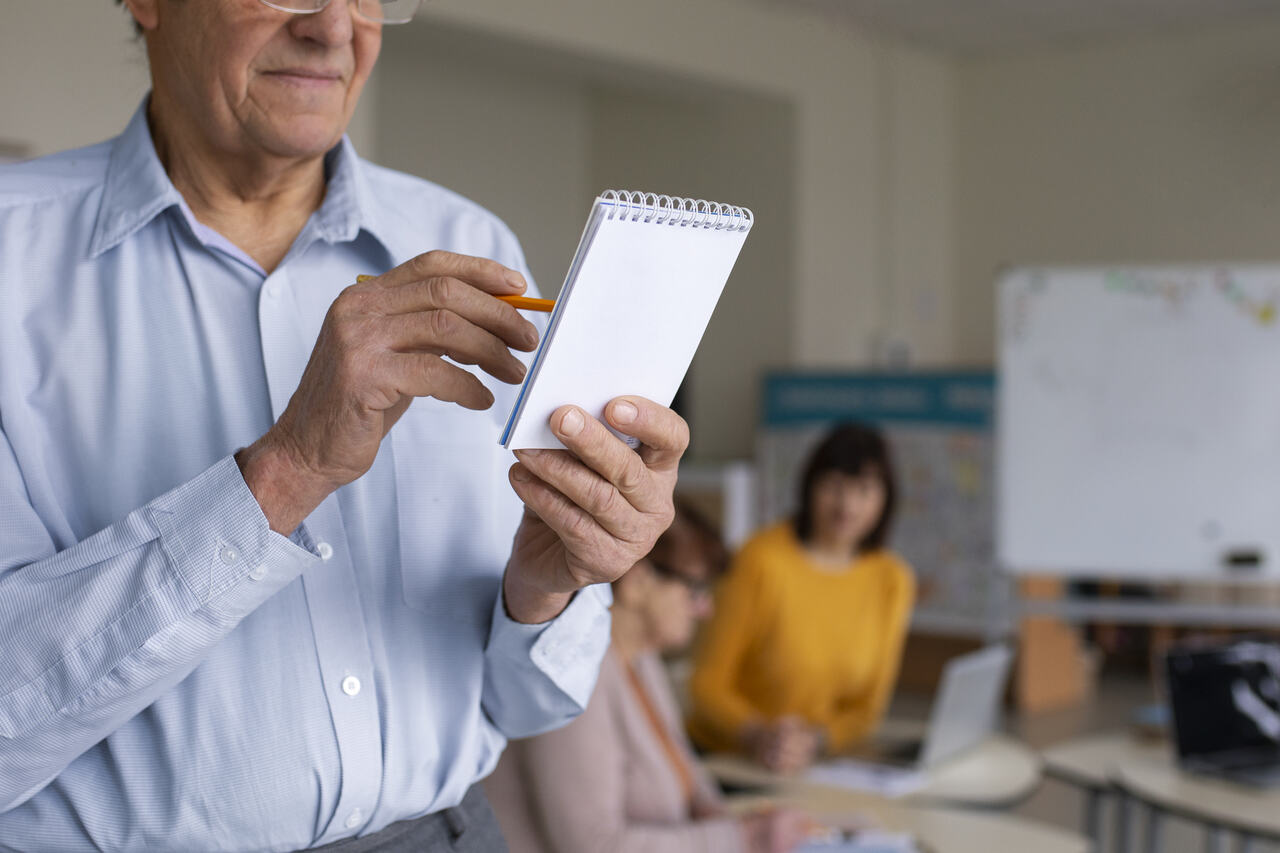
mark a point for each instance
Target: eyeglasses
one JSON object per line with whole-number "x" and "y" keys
{"x": 697, "y": 588}
{"x": 378, "y": 11}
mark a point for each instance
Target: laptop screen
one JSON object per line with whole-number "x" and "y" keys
{"x": 1225, "y": 699}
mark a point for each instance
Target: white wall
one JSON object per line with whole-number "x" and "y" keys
{"x": 72, "y": 73}
{"x": 517, "y": 142}
{"x": 1145, "y": 150}
{"x": 729, "y": 149}
{"x": 838, "y": 83}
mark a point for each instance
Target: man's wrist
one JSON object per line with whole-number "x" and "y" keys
{"x": 529, "y": 605}
{"x": 286, "y": 494}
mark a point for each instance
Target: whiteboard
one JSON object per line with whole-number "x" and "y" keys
{"x": 1138, "y": 414}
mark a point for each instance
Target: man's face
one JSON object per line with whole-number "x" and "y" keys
{"x": 254, "y": 80}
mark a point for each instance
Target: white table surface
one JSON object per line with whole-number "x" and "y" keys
{"x": 938, "y": 830}
{"x": 1157, "y": 779}
{"x": 997, "y": 773}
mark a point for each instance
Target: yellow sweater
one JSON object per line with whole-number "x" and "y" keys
{"x": 791, "y": 638}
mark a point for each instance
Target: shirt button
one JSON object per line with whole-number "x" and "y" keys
{"x": 353, "y": 819}
{"x": 351, "y": 685}
{"x": 325, "y": 549}
{"x": 228, "y": 554}
{"x": 258, "y": 573}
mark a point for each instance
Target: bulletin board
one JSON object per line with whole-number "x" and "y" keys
{"x": 939, "y": 427}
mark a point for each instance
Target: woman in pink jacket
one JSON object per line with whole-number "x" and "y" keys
{"x": 622, "y": 776}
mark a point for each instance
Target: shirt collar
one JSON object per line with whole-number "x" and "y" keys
{"x": 137, "y": 189}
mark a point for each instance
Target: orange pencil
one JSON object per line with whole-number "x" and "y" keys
{"x": 528, "y": 303}
{"x": 525, "y": 303}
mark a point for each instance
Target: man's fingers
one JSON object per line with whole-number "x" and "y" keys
{"x": 443, "y": 332}
{"x": 575, "y": 527}
{"x": 590, "y": 491}
{"x": 483, "y": 273}
{"x": 607, "y": 456}
{"x": 419, "y": 374}
{"x": 456, "y": 295}
{"x": 664, "y": 434}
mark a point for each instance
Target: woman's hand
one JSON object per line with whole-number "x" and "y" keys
{"x": 774, "y": 831}
{"x": 787, "y": 745}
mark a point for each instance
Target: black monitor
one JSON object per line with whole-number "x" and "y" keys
{"x": 1225, "y": 699}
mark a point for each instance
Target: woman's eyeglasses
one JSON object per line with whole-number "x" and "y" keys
{"x": 666, "y": 571}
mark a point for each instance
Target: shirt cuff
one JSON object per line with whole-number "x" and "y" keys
{"x": 221, "y": 545}
{"x": 567, "y": 649}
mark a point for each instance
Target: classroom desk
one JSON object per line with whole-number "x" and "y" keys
{"x": 1145, "y": 771}
{"x": 1223, "y": 807}
{"x": 1089, "y": 763}
{"x": 939, "y": 830}
{"x": 998, "y": 773}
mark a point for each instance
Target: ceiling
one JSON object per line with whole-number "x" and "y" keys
{"x": 983, "y": 26}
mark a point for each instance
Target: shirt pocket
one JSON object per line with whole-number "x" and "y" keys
{"x": 456, "y": 512}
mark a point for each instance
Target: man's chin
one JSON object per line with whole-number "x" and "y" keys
{"x": 302, "y": 139}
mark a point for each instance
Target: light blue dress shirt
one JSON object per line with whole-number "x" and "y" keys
{"x": 174, "y": 675}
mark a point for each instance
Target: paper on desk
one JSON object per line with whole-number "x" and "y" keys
{"x": 864, "y": 842}
{"x": 882, "y": 779}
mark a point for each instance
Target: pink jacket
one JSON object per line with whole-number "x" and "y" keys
{"x": 604, "y": 783}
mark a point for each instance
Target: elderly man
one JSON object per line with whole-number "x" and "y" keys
{"x": 232, "y": 616}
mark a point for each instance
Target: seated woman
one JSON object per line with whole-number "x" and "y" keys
{"x": 802, "y": 653}
{"x": 622, "y": 777}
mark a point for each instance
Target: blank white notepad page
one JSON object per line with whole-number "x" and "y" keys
{"x": 633, "y": 309}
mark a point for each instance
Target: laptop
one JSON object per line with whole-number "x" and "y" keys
{"x": 966, "y": 711}
{"x": 1226, "y": 710}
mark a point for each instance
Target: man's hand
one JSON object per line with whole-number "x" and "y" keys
{"x": 381, "y": 345}
{"x": 594, "y": 510}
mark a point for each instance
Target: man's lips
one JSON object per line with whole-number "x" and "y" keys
{"x": 306, "y": 76}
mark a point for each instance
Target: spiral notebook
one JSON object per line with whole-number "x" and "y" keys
{"x": 639, "y": 293}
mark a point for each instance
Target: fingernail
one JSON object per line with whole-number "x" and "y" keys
{"x": 528, "y": 454}
{"x": 515, "y": 279}
{"x": 624, "y": 412}
{"x": 520, "y": 474}
{"x": 571, "y": 423}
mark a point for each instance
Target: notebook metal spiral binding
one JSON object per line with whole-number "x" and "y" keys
{"x": 682, "y": 212}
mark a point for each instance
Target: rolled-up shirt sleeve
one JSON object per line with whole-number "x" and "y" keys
{"x": 92, "y": 634}
{"x": 539, "y": 677}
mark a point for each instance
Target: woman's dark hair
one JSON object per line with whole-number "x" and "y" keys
{"x": 689, "y": 530}
{"x": 854, "y": 449}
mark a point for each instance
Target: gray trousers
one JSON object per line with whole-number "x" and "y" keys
{"x": 469, "y": 827}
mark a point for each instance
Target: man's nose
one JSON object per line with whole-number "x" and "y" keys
{"x": 331, "y": 26}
